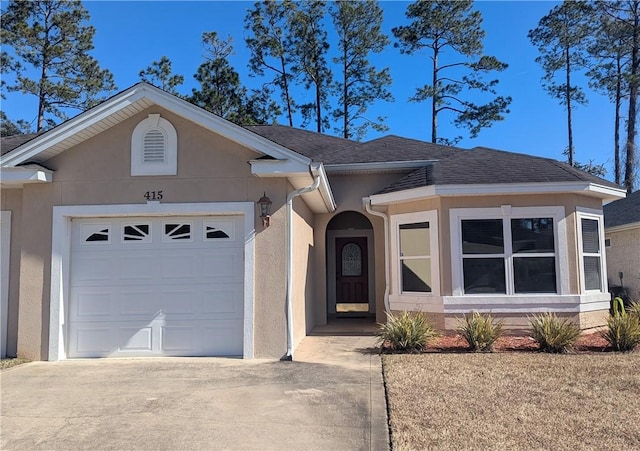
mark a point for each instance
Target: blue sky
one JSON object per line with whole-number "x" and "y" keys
{"x": 130, "y": 35}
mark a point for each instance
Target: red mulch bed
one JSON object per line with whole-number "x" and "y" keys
{"x": 587, "y": 343}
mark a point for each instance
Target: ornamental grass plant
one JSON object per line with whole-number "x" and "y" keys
{"x": 553, "y": 334}
{"x": 480, "y": 331}
{"x": 623, "y": 331}
{"x": 406, "y": 332}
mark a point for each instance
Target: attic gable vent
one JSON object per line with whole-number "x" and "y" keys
{"x": 154, "y": 147}
{"x": 154, "y": 143}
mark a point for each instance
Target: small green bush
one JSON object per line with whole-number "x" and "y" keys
{"x": 407, "y": 332}
{"x": 480, "y": 331}
{"x": 554, "y": 334}
{"x": 623, "y": 332}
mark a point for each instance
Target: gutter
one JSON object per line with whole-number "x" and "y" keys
{"x": 314, "y": 171}
{"x": 385, "y": 218}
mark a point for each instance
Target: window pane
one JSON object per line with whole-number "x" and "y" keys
{"x": 351, "y": 260}
{"x": 534, "y": 274}
{"x": 483, "y": 275}
{"x": 590, "y": 236}
{"x": 482, "y": 236}
{"x": 416, "y": 275}
{"x": 592, "y": 277}
{"x": 532, "y": 235}
{"x": 414, "y": 240}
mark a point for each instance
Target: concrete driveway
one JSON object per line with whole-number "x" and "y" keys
{"x": 330, "y": 398}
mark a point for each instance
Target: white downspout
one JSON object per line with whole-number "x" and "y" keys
{"x": 314, "y": 186}
{"x": 385, "y": 218}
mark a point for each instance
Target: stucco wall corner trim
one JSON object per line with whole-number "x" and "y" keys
{"x": 61, "y": 255}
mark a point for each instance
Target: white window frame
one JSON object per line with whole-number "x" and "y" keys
{"x": 170, "y": 164}
{"x": 588, "y": 213}
{"x": 506, "y": 213}
{"x": 411, "y": 218}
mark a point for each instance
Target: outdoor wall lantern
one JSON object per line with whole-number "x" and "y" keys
{"x": 265, "y": 210}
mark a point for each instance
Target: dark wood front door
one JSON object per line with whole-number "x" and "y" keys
{"x": 352, "y": 275}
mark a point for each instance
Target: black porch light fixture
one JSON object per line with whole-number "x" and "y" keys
{"x": 265, "y": 209}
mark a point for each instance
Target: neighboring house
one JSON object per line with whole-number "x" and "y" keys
{"x": 622, "y": 234}
{"x": 134, "y": 229}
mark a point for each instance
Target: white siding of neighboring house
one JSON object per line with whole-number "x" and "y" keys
{"x": 623, "y": 255}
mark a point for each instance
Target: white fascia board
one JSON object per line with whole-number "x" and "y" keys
{"x": 325, "y": 189}
{"x": 377, "y": 166}
{"x": 17, "y": 177}
{"x": 278, "y": 168}
{"x": 590, "y": 189}
{"x": 163, "y": 99}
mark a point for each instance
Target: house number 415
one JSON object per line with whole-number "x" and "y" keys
{"x": 153, "y": 195}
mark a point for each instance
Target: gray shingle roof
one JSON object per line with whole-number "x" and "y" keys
{"x": 334, "y": 150}
{"x": 8, "y": 143}
{"x": 486, "y": 166}
{"x": 623, "y": 211}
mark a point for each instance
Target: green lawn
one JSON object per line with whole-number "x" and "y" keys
{"x": 513, "y": 401}
{"x": 10, "y": 362}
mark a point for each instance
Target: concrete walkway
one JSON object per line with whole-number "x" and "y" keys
{"x": 330, "y": 398}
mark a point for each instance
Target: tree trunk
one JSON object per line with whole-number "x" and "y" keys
{"x": 318, "y": 108}
{"x": 616, "y": 131}
{"x": 345, "y": 96}
{"x": 567, "y": 56}
{"x": 434, "y": 98}
{"x": 285, "y": 87}
{"x": 629, "y": 175}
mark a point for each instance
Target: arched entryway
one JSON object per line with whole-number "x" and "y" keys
{"x": 350, "y": 266}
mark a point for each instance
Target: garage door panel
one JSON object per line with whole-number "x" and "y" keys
{"x": 223, "y": 300}
{"x": 90, "y": 303}
{"x": 176, "y": 291}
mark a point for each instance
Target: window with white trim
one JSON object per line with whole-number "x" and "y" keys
{"x": 154, "y": 147}
{"x": 416, "y": 250}
{"x": 504, "y": 251}
{"x": 590, "y": 239}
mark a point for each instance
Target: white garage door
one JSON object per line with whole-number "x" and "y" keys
{"x": 156, "y": 286}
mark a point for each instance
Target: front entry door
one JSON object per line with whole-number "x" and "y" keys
{"x": 352, "y": 275}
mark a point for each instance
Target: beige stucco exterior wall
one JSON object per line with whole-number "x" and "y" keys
{"x": 11, "y": 200}
{"x": 97, "y": 171}
{"x": 624, "y": 256}
{"x": 303, "y": 271}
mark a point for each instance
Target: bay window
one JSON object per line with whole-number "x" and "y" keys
{"x": 591, "y": 259}
{"x": 505, "y": 250}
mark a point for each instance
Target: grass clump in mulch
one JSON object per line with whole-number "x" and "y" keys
{"x": 480, "y": 331}
{"x": 523, "y": 400}
{"x": 622, "y": 332}
{"x": 553, "y": 334}
{"x": 11, "y": 362}
{"x": 406, "y": 332}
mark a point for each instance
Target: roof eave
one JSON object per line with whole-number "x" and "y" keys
{"x": 602, "y": 192}
{"x": 18, "y": 177}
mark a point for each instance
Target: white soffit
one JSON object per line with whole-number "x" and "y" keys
{"x": 125, "y": 105}
{"x": 586, "y": 188}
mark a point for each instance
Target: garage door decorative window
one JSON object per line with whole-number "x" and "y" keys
{"x": 215, "y": 230}
{"x": 137, "y": 232}
{"x": 96, "y": 233}
{"x": 180, "y": 231}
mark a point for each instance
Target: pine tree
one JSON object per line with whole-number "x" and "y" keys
{"x": 442, "y": 28}
{"x": 359, "y": 28}
{"x": 309, "y": 46}
{"x": 270, "y": 26}
{"x": 562, "y": 37}
{"x": 221, "y": 91}
{"x": 159, "y": 74}
{"x": 51, "y": 38}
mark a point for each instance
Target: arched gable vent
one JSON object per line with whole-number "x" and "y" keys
{"x": 154, "y": 147}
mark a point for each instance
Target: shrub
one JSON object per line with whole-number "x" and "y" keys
{"x": 408, "y": 332}
{"x": 554, "y": 334}
{"x": 623, "y": 332}
{"x": 634, "y": 310}
{"x": 480, "y": 331}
